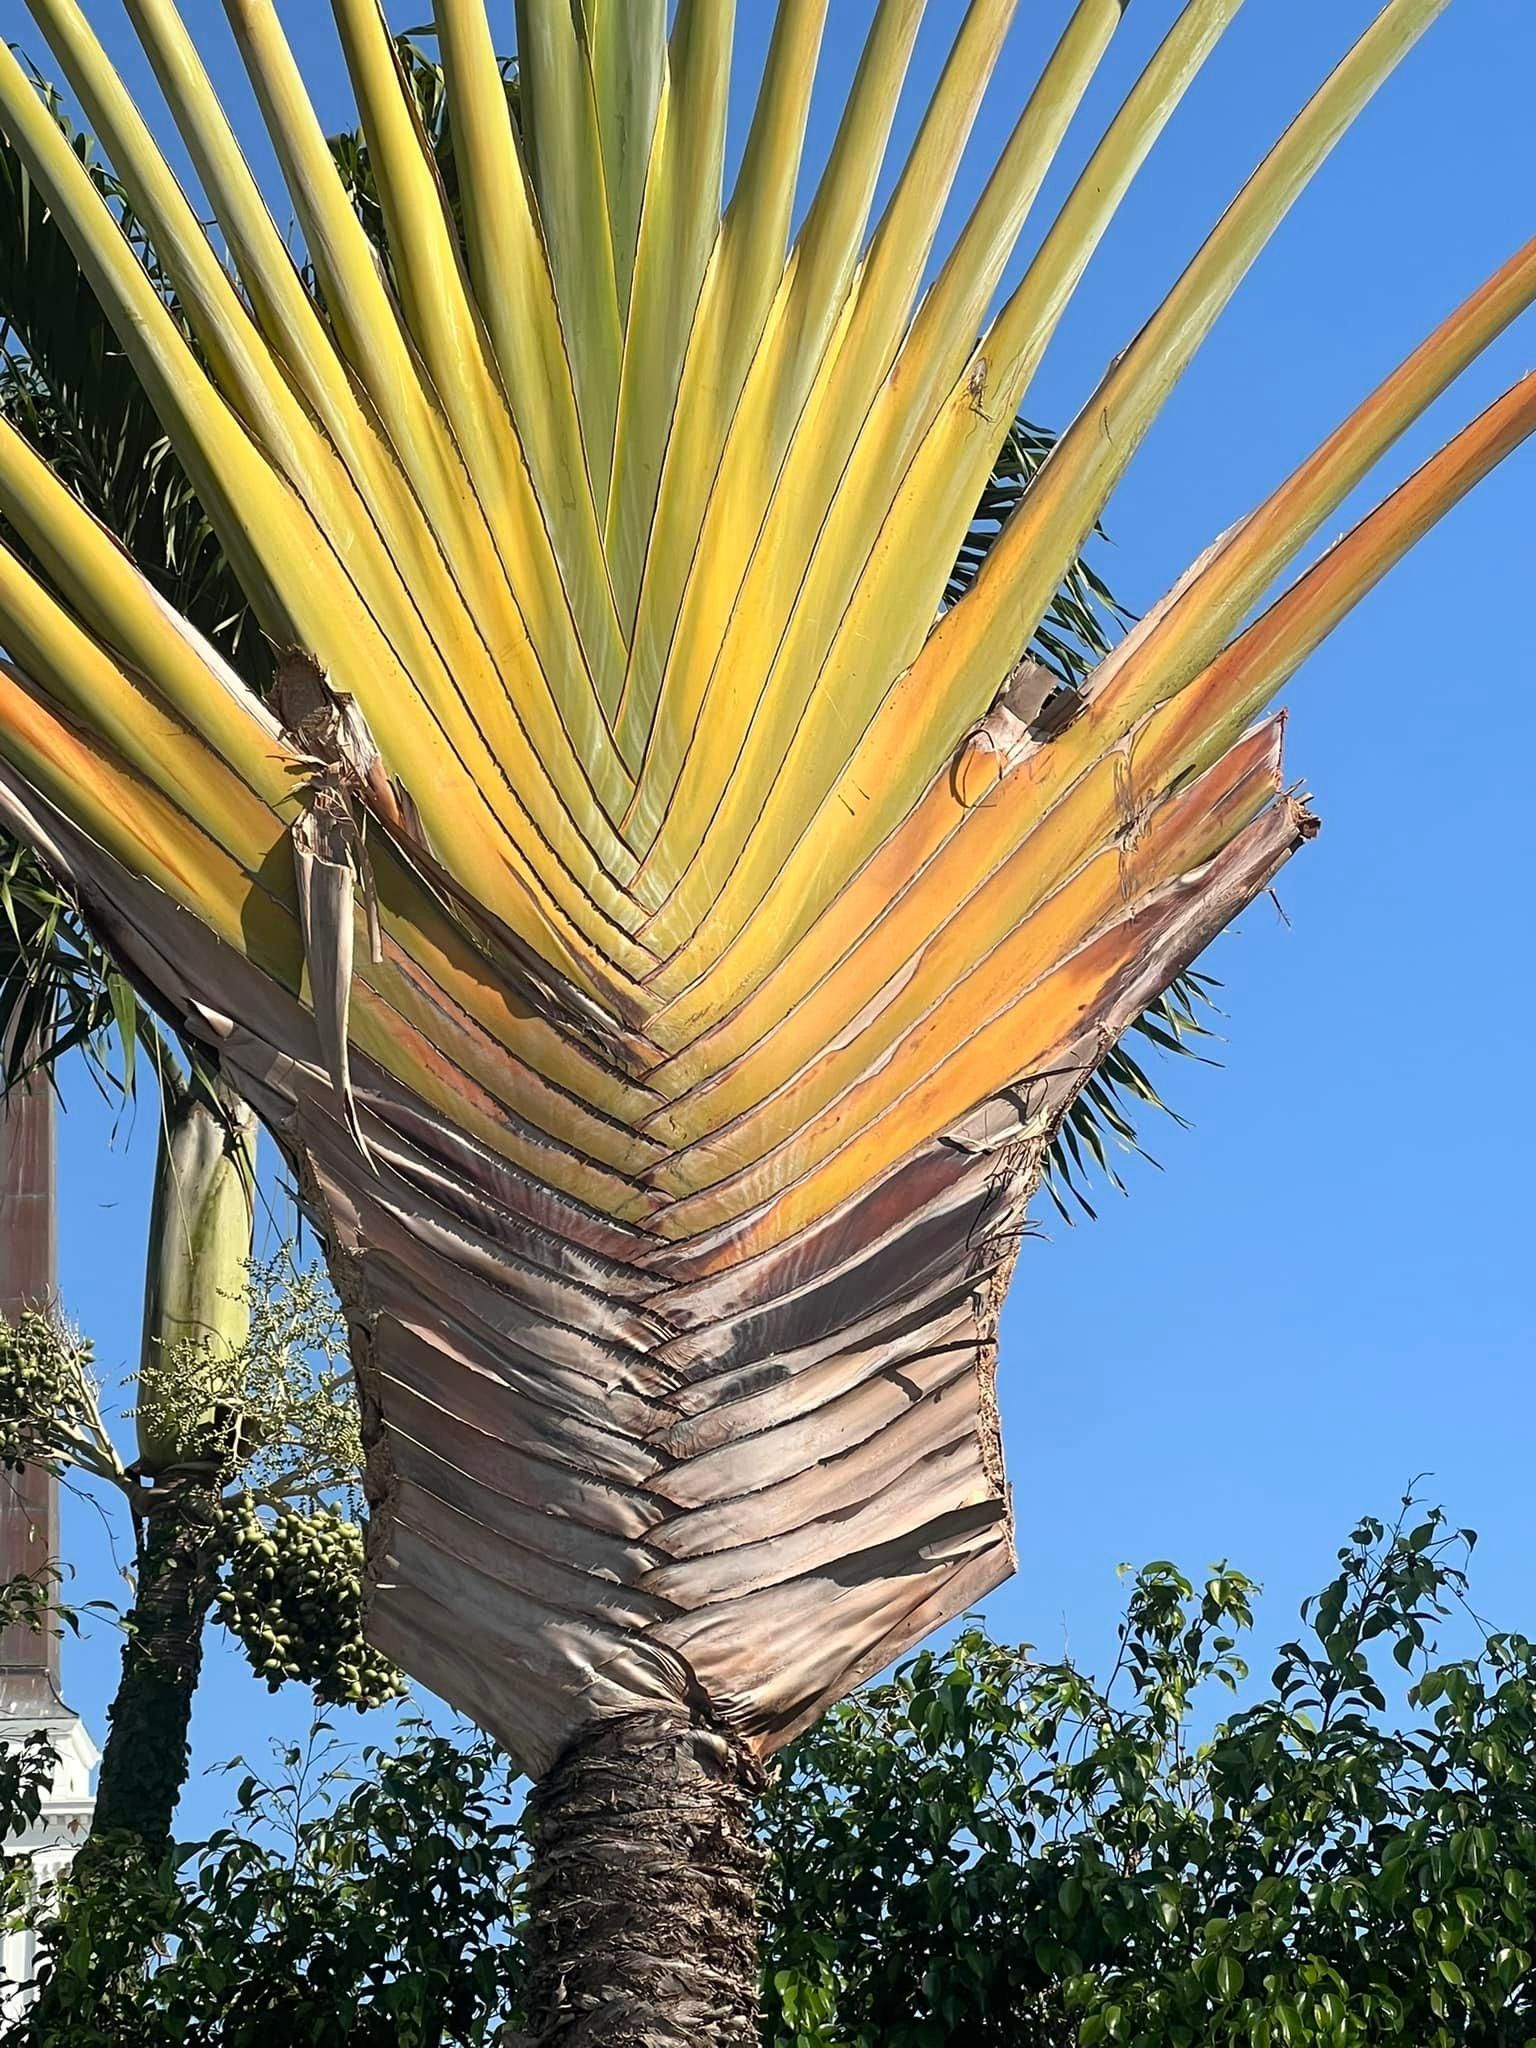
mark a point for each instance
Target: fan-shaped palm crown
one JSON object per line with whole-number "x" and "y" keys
{"x": 730, "y": 936}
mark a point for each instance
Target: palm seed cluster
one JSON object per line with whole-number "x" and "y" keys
{"x": 44, "y": 1372}
{"x": 293, "y": 1596}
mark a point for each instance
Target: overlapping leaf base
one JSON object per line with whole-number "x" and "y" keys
{"x": 618, "y": 1465}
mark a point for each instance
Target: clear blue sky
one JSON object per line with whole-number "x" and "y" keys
{"x": 1321, "y": 1295}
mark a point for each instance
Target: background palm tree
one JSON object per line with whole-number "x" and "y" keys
{"x": 664, "y": 937}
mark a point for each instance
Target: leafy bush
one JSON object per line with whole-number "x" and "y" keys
{"x": 982, "y": 1850}
{"x": 375, "y": 1917}
{"x": 990, "y": 1850}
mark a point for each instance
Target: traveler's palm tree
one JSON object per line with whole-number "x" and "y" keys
{"x": 663, "y": 932}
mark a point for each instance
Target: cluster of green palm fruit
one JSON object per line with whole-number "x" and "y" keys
{"x": 293, "y": 1595}
{"x": 42, "y": 1365}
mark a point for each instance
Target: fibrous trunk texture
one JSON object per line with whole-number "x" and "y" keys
{"x": 144, "y": 1763}
{"x": 642, "y": 1929}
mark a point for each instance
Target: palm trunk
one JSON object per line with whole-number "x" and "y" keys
{"x": 111, "y": 1915}
{"x": 642, "y": 1929}
{"x": 195, "y": 1320}
{"x": 144, "y": 1764}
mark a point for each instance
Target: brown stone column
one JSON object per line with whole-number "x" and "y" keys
{"x": 29, "y": 1499}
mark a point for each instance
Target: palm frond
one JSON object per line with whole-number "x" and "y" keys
{"x": 426, "y": 78}
{"x": 67, "y": 385}
{"x": 59, "y": 988}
